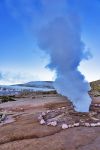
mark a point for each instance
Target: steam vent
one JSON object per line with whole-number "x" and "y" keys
{"x": 66, "y": 116}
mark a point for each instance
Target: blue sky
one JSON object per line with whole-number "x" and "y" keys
{"x": 20, "y": 58}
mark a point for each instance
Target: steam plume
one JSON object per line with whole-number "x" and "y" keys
{"x": 58, "y": 33}
{"x": 60, "y": 37}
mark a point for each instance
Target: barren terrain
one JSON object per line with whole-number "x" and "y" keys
{"x": 21, "y": 130}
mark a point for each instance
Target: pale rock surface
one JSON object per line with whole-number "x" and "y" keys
{"x": 64, "y": 126}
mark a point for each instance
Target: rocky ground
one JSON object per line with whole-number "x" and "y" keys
{"x": 38, "y": 122}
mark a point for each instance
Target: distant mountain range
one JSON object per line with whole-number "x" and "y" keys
{"x": 39, "y": 86}
{"x": 30, "y": 86}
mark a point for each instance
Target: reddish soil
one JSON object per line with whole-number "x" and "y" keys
{"x": 26, "y": 133}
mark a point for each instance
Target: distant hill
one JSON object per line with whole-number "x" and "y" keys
{"x": 42, "y": 86}
{"x": 30, "y": 86}
{"x": 95, "y": 87}
{"x": 37, "y": 84}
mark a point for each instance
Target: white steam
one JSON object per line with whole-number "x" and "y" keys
{"x": 60, "y": 36}
{"x": 57, "y": 31}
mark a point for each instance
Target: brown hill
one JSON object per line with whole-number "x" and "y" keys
{"x": 95, "y": 88}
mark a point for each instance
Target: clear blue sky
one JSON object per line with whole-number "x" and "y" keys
{"x": 20, "y": 58}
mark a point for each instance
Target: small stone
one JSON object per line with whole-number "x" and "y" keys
{"x": 92, "y": 124}
{"x": 40, "y": 117}
{"x": 48, "y": 111}
{"x": 64, "y": 126}
{"x": 70, "y": 126}
{"x": 63, "y": 107}
{"x": 98, "y": 124}
{"x": 53, "y": 123}
{"x": 43, "y": 113}
{"x": 42, "y": 122}
{"x": 21, "y": 108}
{"x": 87, "y": 124}
{"x": 3, "y": 117}
{"x": 76, "y": 124}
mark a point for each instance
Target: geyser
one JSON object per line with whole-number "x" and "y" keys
{"x": 60, "y": 37}
{"x": 57, "y": 31}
